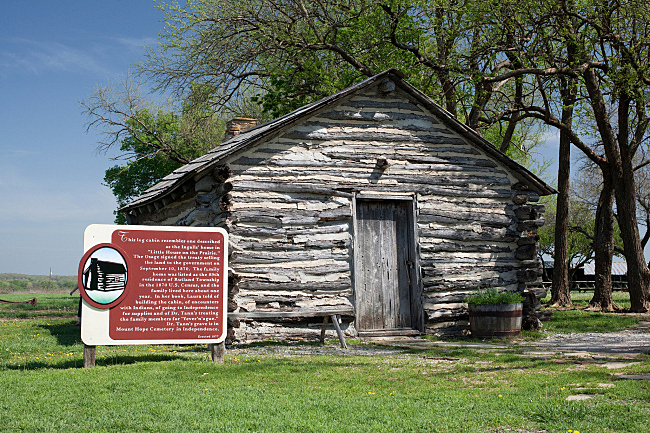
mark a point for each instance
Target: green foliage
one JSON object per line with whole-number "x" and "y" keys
{"x": 10, "y": 283}
{"x": 526, "y": 139}
{"x": 294, "y": 52}
{"x": 581, "y": 229}
{"x": 492, "y": 296}
{"x": 157, "y": 146}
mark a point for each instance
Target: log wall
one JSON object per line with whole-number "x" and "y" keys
{"x": 288, "y": 206}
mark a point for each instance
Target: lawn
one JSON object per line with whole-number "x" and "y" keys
{"x": 577, "y": 320}
{"x": 263, "y": 388}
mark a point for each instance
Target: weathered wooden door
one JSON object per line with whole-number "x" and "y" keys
{"x": 383, "y": 265}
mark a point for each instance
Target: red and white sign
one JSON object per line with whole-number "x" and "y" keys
{"x": 153, "y": 285}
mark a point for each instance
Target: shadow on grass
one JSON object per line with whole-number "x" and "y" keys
{"x": 101, "y": 361}
{"x": 66, "y": 334}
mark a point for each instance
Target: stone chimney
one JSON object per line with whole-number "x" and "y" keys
{"x": 238, "y": 125}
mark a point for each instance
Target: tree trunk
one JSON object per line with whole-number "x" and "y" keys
{"x": 604, "y": 248}
{"x": 638, "y": 275}
{"x": 561, "y": 290}
{"x": 619, "y": 158}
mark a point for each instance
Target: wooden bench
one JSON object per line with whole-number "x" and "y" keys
{"x": 326, "y": 312}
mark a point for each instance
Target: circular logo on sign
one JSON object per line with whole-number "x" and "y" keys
{"x": 103, "y": 274}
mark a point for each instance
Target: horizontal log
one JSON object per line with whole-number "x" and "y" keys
{"x": 373, "y": 116}
{"x": 446, "y": 314}
{"x": 296, "y": 312}
{"x": 221, "y": 172}
{"x": 364, "y": 176}
{"x": 372, "y": 136}
{"x": 526, "y": 252}
{"x": 528, "y": 275}
{"x": 446, "y": 297}
{"x": 336, "y": 268}
{"x": 526, "y": 212}
{"x": 345, "y": 189}
{"x": 290, "y": 216}
{"x": 530, "y": 225}
{"x": 439, "y": 261}
{"x": 393, "y": 332}
{"x": 537, "y": 292}
{"x": 449, "y": 191}
{"x": 373, "y": 102}
{"x": 428, "y": 215}
{"x": 285, "y": 231}
{"x": 533, "y": 264}
{"x": 468, "y": 284}
{"x": 205, "y": 184}
{"x": 453, "y": 247}
{"x": 443, "y": 306}
{"x": 366, "y": 161}
{"x": 467, "y": 281}
{"x": 206, "y": 200}
{"x": 295, "y": 299}
{"x": 528, "y": 240}
{"x": 340, "y": 286}
{"x": 260, "y": 257}
{"x": 485, "y": 234}
{"x": 280, "y": 299}
{"x": 286, "y": 245}
{"x": 431, "y": 273}
{"x": 394, "y": 127}
{"x": 291, "y": 187}
{"x": 519, "y": 198}
{"x": 289, "y": 200}
{"x": 465, "y": 205}
{"x": 437, "y": 160}
{"x": 437, "y": 150}
{"x": 370, "y": 148}
{"x": 448, "y": 327}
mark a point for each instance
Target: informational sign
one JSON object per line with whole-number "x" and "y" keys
{"x": 153, "y": 285}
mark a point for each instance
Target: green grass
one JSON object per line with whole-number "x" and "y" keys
{"x": 581, "y": 299}
{"x": 586, "y": 321}
{"x": 176, "y": 388}
{"x": 578, "y": 320}
{"x": 47, "y": 305}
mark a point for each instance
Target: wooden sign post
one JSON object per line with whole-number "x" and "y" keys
{"x": 153, "y": 285}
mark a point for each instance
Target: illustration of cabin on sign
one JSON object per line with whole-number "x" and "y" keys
{"x": 104, "y": 276}
{"x": 374, "y": 203}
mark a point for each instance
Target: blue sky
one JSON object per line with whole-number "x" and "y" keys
{"x": 52, "y": 55}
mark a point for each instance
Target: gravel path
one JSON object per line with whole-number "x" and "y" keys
{"x": 625, "y": 344}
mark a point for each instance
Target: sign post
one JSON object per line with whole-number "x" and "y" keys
{"x": 154, "y": 285}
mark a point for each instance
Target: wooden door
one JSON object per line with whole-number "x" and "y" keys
{"x": 382, "y": 272}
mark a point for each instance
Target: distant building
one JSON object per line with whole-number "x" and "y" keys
{"x": 584, "y": 276}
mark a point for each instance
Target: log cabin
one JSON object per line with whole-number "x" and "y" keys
{"x": 373, "y": 202}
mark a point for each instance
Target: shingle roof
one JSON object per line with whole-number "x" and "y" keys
{"x": 177, "y": 178}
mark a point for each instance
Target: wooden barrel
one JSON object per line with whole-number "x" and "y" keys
{"x": 495, "y": 320}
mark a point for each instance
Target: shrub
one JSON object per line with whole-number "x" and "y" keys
{"x": 493, "y": 296}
